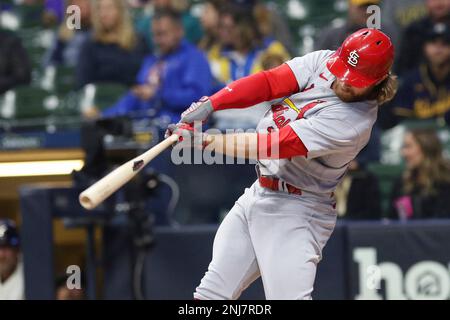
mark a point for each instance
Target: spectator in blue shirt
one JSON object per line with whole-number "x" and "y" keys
{"x": 143, "y": 19}
{"x": 169, "y": 80}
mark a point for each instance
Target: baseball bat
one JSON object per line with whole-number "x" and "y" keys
{"x": 102, "y": 189}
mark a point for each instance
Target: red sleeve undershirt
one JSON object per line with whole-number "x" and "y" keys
{"x": 289, "y": 144}
{"x": 259, "y": 87}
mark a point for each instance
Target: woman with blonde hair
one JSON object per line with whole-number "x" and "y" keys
{"x": 114, "y": 52}
{"x": 424, "y": 189}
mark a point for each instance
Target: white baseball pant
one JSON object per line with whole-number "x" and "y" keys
{"x": 272, "y": 234}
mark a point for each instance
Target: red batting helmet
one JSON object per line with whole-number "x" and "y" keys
{"x": 364, "y": 58}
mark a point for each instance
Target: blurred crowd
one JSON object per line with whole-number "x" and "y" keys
{"x": 169, "y": 53}
{"x": 165, "y": 54}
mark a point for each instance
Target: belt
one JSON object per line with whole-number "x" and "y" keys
{"x": 276, "y": 184}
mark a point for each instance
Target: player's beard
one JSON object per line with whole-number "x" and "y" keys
{"x": 348, "y": 95}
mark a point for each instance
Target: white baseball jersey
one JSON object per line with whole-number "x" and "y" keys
{"x": 13, "y": 287}
{"x": 280, "y": 236}
{"x": 333, "y": 131}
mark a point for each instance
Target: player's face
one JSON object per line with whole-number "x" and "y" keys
{"x": 411, "y": 151}
{"x": 349, "y": 93}
{"x": 8, "y": 261}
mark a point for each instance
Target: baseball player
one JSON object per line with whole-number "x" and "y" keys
{"x": 11, "y": 267}
{"x": 324, "y": 105}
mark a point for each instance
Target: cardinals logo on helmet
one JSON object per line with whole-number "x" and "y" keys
{"x": 353, "y": 58}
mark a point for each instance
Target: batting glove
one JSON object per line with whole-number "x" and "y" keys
{"x": 198, "y": 111}
{"x": 187, "y": 135}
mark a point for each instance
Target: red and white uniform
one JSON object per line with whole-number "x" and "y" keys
{"x": 279, "y": 235}
{"x": 332, "y": 131}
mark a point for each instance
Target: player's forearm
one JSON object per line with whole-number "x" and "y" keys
{"x": 237, "y": 145}
{"x": 282, "y": 144}
{"x": 263, "y": 86}
{"x": 246, "y": 92}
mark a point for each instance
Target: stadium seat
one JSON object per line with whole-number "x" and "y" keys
{"x": 101, "y": 95}
{"x": 36, "y": 41}
{"x": 64, "y": 80}
{"x": 310, "y": 14}
{"x": 69, "y": 104}
{"x": 30, "y": 15}
{"x": 386, "y": 174}
{"x": 30, "y": 102}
